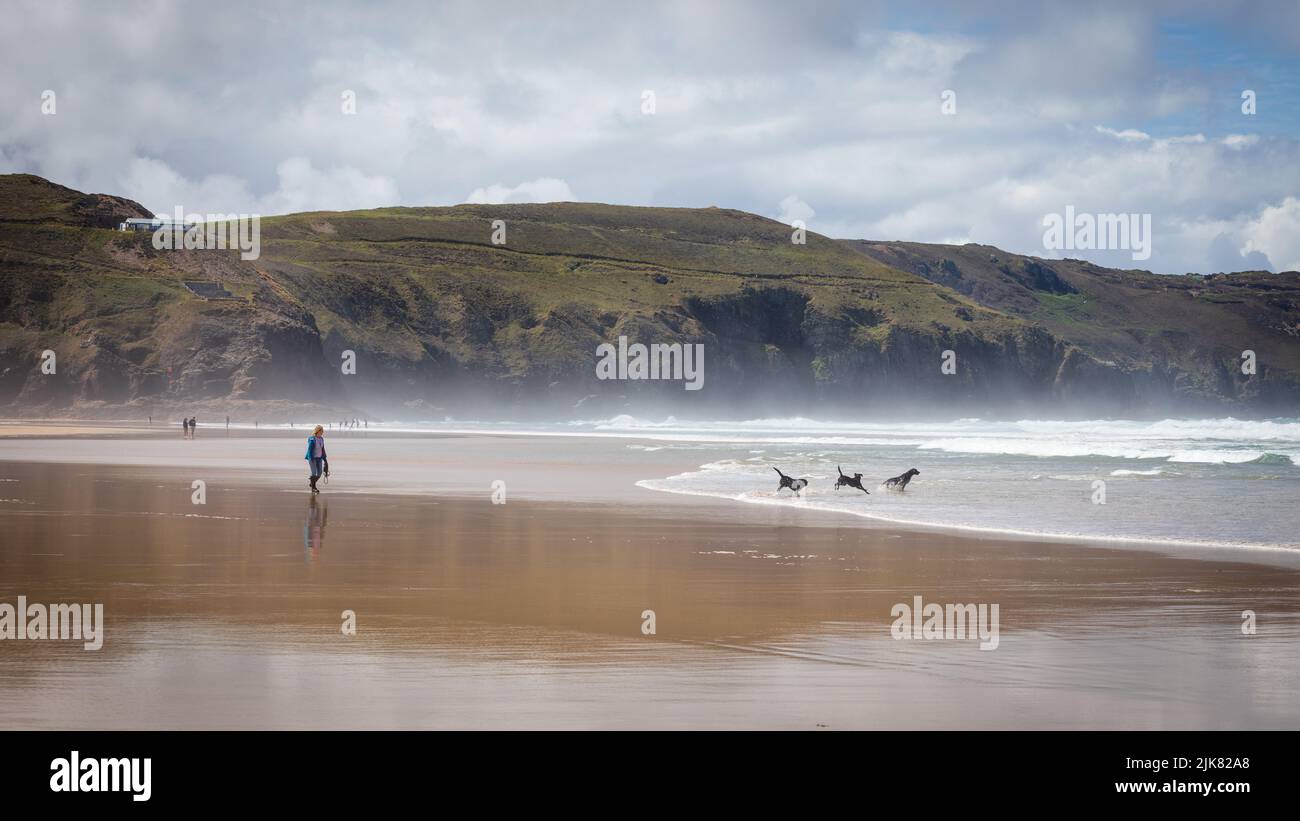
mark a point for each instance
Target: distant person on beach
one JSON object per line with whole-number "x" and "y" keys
{"x": 185, "y": 429}
{"x": 194, "y": 426}
{"x": 316, "y": 457}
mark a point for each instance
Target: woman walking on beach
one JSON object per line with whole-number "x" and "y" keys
{"x": 316, "y": 457}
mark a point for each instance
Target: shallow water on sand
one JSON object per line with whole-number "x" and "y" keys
{"x": 529, "y": 614}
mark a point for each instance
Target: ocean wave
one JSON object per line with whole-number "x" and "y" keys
{"x": 1205, "y": 441}
{"x": 806, "y": 504}
{"x": 1278, "y": 459}
{"x": 1045, "y": 448}
{"x": 1225, "y": 429}
{"x": 1224, "y": 457}
{"x": 998, "y": 446}
{"x": 1228, "y": 428}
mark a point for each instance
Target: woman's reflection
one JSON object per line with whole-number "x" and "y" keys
{"x": 313, "y": 530}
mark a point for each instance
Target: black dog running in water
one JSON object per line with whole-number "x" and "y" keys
{"x": 900, "y": 482}
{"x": 850, "y": 481}
{"x": 795, "y": 485}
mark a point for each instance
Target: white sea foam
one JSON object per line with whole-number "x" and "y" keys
{"x": 1205, "y": 441}
{"x": 807, "y": 504}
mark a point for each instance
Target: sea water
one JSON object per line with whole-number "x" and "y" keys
{"x": 1214, "y": 482}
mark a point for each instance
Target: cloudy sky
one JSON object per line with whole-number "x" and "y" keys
{"x": 822, "y": 111}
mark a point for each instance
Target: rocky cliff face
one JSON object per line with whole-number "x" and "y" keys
{"x": 438, "y": 318}
{"x": 1137, "y": 337}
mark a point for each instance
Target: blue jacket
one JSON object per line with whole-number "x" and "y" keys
{"x": 311, "y": 446}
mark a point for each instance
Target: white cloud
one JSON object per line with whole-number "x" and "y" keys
{"x": 1128, "y": 134}
{"x": 1275, "y": 231}
{"x": 841, "y": 108}
{"x": 793, "y": 208}
{"x": 546, "y": 189}
{"x": 301, "y": 188}
{"x": 340, "y": 188}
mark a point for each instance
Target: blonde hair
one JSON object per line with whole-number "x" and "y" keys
{"x": 320, "y": 429}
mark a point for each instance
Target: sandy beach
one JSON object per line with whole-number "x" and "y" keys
{"x": 530, "y": 614}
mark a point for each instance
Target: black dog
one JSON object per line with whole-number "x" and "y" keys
{"x": 850, "y": 481}
{"x": 900, "y": 482}
{"x": 794, "y": 484}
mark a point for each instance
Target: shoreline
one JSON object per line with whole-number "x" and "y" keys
{"x": 1082, "y": 540}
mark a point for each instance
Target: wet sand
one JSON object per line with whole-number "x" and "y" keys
{"x": 528, "y": 614}
{"x": 10, "y": 429}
